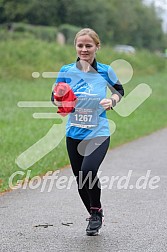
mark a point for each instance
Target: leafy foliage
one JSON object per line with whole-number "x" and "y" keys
{"x": 116, "y": 21}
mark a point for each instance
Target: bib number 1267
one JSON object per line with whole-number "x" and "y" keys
{"x": 83, "y": 118}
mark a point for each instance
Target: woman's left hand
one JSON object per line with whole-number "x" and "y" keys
{"x": 106, "y": 103}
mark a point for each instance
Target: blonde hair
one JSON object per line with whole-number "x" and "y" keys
{"x": 89, "y": 32}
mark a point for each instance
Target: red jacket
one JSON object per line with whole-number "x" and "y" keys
{"x": 63, "y": 93}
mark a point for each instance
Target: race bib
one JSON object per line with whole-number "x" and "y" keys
{"x": 86, "y": 113}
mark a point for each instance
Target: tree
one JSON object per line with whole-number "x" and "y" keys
{"x": 116, "y": 21}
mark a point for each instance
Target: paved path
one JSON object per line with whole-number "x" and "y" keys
{"x": 135, "y": 219}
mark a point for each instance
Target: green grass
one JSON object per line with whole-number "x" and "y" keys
{"x": 19, "y": 130}
{"x": 147, "y": 118}
{"x": 23, "y": 56}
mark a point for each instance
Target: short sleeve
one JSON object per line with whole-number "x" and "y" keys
{"x": 61, "y": 75}
{"x": 112, "y": 77}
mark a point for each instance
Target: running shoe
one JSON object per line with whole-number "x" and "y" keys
{"x": 95, "y": 221}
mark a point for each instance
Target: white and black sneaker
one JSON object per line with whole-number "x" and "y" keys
{"x": 95, "y": 221}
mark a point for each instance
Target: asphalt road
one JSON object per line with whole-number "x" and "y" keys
{"x": 134, "y": 200}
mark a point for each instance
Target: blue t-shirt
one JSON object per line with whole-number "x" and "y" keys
{"x": 89, "y": 119}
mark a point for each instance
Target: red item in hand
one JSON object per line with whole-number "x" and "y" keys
{"x": 63, "y": 93}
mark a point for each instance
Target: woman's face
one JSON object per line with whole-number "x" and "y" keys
{"x": 86, "y": 48}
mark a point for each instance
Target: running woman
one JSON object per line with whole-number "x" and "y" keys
{"x": 87, "y": 129}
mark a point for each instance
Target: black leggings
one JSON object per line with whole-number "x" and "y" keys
{"x": 85, "y": 158}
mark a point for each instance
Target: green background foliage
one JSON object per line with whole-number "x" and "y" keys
{"x": 19, "y": 130}
{"x": 116, "y": 21}
{"x": 28, "y": 33}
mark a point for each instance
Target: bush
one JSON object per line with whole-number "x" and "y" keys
{"x": 47, "y": 33}
{"x": 69, "y": 32}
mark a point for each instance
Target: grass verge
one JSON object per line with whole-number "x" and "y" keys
{"x": 19, "y": 130}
